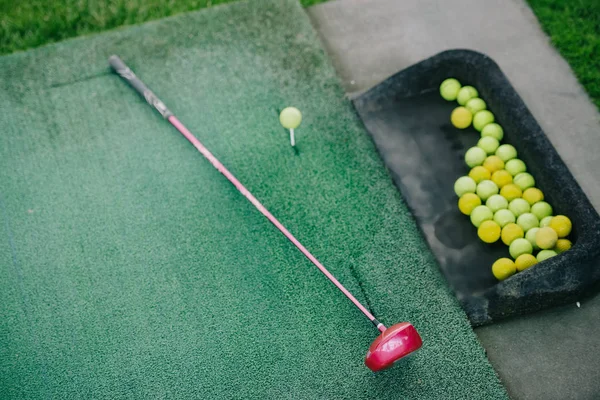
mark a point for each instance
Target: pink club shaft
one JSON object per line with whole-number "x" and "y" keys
{"x": 242, "y": 189}
{"x": 127, "y": 74}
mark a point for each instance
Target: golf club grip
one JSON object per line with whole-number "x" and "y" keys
{"x": 127, "y": 74}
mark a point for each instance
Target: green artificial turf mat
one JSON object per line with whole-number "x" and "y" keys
{"x": 132, "y": 269}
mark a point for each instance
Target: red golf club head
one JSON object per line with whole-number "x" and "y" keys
{"x": 394, "y": 343}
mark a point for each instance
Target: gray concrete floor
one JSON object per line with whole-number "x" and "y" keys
{"x": 549, "y": 355}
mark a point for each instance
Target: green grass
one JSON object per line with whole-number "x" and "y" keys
{"x": 574, "y": 28}
{"x": 31, "y": 23}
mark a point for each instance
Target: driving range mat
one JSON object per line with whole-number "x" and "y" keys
{"x": 132, "y": 269}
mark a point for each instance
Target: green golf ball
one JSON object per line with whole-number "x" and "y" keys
{"x": 475, "y": 105}
{"x": 480, "y": 214}
{"x": 520, "y": 246}
{"x": 545, "y": 254}
{"x": 504, "y": 217}
{"x": 493, "y": 130}
{"x": 519, "y": 206}
{"x": 515, "y": 166}
{"x": 541, "y": 210}
{"x": 449, "y": 89}
{"x": 524, "y": 180}
{"x": 465, "y": 94}
{"x": 528, "y": 221}
{"x": 475, "y": 156}
{"x": 506, "y": 152}
{"x": 463, "y": 185}
{"x": 545, "y": 221}
{"x": 486, "y": 188}
{"x": 488, "y": 144}
{"x": 496, "y": 202}
{"x": 481, "y": 119}
{"x": 530, "y": 235}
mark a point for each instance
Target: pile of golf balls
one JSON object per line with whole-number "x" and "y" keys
{"x": 499, "y": 195}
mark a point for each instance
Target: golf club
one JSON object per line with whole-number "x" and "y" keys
{"x": 393, "y": 343}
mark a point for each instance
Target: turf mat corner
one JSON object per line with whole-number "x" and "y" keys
{"x": 132, "y": 269}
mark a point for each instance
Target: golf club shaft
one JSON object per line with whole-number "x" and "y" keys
{"x": 125, "y": 72}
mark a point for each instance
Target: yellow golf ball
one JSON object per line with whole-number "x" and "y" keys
{"x": 562, "y": 245}
{"x": 562, "y": 225}
{"x": 290, "y": 117}
{"x": 501, "y": 178}
{"x": 533, "y": 195}
{"x": 503, "y": 268}
{"x": 493, "y": 164}
{"x": 468, "y": 202}
{"x": 489, "y": 231}
{"x": 510, "y": 232}
{"x": 461, "y": 117}
{"x": 525, "y": 261}
{"x": 511, "y": 192}
{"x": 479, "y": 174}
{"x": 546, "y": 238}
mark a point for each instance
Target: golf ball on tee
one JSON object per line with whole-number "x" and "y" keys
{"x": 290, "y": 117}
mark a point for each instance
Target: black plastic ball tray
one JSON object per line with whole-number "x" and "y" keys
{"x": 410, "y": 125}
